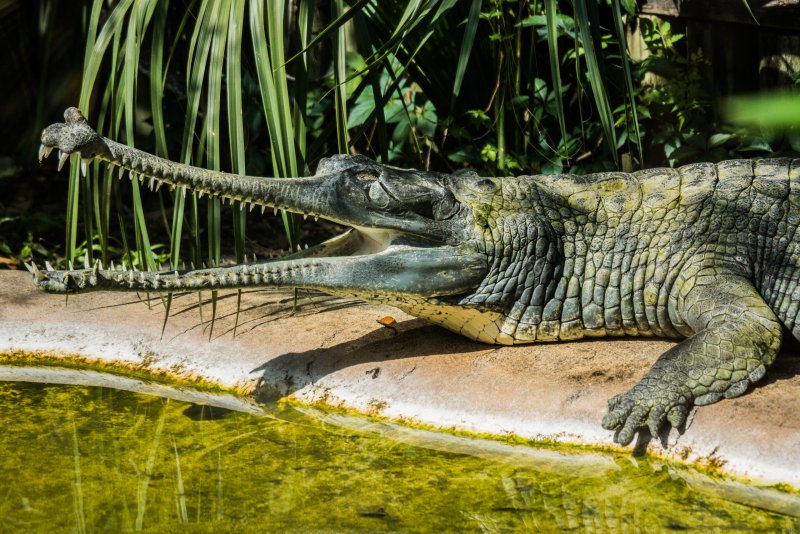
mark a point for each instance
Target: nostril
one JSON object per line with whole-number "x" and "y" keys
{"x": 73, "y": 115}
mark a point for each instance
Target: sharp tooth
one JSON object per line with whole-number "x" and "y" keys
{"x": 299, "y": 248}
{"x": 84, "y": 166}
{"x": 275, "y": 211}
{"x": 316, "y": 218}
{"x": 121, "y": 172}
{"x": 69, "y": 263}
{"x": 305, "y": 216}
{"x": 306, "y": 246}
{"x": 200, "y": 194}
{"x": 183, "y": 190}
{"x": 252, "y": 205}
{"x": 158, "y": 185}
{"x": 42, "y": 152}
{"x": 242, "y": 205}
{"x": 62, "y": 159}
{"x": 112, "y": 266}
{"x": 131, "y": 175}
{"x": 86, "y": 261}
{"x": 48, "y": 266}
{"x": 152, "y": 182}
{"x": 263, "y": 208}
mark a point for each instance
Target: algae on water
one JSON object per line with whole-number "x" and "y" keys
{"x": 85, "y": 458}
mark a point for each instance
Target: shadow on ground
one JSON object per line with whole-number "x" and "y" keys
{"x": 290, "y": 372}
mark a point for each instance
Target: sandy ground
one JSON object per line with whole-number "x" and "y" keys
{"x": 336, "y": 352}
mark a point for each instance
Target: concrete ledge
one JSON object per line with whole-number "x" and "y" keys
{"x": 335, "y": 352}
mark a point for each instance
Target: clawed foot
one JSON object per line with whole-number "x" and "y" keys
{"x": 645, "y": 407}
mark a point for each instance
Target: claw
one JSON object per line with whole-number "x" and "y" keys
{"x": 677, "y": 416}
{"x": 632, "y": 424}
{"x": 656, "y": 419}
{"x": 62, "y": 159}
{"x": 618, "y": 411}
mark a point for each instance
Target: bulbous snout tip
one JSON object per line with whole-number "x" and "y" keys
{"x": 73, "y": 115}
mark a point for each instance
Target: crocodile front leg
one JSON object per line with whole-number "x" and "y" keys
{"x": 736, "y": 337}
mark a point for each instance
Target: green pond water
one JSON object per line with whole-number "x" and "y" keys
{"x": 75, "y": 458}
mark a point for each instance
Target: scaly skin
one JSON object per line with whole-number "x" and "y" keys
{"x": 705, "y": 252}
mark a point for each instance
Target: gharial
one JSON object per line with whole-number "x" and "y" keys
{"x": 706, "y": 252}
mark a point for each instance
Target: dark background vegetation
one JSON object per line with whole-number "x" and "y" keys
{"x": 398, "y": 102}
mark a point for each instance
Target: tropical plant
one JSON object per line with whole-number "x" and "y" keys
{"x": 501, "y": 86}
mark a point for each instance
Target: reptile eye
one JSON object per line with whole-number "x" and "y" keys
{"x": 444, "y": 209}
{"x": 378, "y": 195}
{"x": 366, "y": 177}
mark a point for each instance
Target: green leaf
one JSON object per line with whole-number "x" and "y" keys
{"x": 626, "y": 72}
{"x": 630, "y": 6}
{"x": 718, "y": 139}
{"x": 750, "y": 11}
{"x": 553, "y": 167}
{"x": 555, "y": 67}
{"x": 595, "y": 74}
{"x": 466, "y": 48}
{"x": 340, "y": 79}
{"x": 756, "y": 144}
{"x": 362, "y": 110}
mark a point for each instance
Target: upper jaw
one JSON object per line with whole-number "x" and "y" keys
{"x": 335, "y": 193}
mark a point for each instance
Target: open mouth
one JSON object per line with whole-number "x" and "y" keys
{"x": 390, "y": 249}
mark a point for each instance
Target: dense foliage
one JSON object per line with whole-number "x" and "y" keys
{"x": 495, "y": 86}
